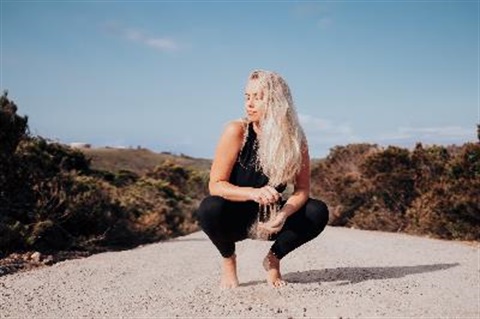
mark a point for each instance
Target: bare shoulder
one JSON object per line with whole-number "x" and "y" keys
{"x": 228, "y": 147}
{"x": 235, "y": 128}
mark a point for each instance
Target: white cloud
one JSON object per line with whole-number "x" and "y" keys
{"x": 325, "y": 132}
{"x": 410, "y": 136}
{"x": 162, "y": 44}
{"x": 429, "y": 133}
{"x": 133, "y": 35}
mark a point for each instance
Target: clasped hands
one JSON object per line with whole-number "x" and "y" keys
{"x": 268, "y": 195}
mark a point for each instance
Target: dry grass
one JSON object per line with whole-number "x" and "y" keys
{"x": 139, "y": 161}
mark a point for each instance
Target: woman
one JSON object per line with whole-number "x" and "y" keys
{"x": 255, "y": 159}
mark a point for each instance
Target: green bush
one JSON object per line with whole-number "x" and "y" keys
{"x": 51, "y": 199}
{"x": 430, "y": 190}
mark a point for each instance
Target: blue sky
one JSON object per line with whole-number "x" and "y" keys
{"x": 169, "y": 75}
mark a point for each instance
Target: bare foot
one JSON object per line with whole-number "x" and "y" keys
{"x": 272, "y": 266}
{"x": 229, "y": 276}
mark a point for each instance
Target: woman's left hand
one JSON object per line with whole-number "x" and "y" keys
{"x": 274, "y": 225}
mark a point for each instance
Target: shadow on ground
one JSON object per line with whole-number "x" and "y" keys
{"x": 354, "y": 275}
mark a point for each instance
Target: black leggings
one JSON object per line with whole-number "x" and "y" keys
{"x": 226, "y": 222}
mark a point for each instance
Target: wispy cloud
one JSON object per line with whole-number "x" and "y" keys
{"x": 162, "y": 44}
{"x": 318, "y": 12}
{"x": 409, "y": 136}
{"x": 309, "y": 9}
{"x": 326, "y": 132}
{"x": 323, "y": 134}
{"x": 324, "y": 22}
{"x": 429, "y": 133}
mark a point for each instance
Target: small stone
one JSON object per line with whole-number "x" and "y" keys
{"x": 48, "y": 260}
{"x": 36, "y": 256}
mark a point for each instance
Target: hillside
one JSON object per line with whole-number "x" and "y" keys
{"x": 139, "y": 161}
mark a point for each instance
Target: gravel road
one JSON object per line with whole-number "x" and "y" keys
{"x": 343, "y": 273}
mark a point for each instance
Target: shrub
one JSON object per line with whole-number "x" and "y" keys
{"x": 431, "y": 190}
{"x": 51, "y": 199}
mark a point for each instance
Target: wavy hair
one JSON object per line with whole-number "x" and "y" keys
{"x": 283, "y": 140}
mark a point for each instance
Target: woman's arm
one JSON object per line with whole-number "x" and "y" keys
{"x": 225, "y": 156}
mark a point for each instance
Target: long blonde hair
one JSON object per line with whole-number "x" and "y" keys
{"x": 283, "y": 140}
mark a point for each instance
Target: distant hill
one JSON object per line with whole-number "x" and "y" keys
{"x": 143, "y": 160}
{"x": 139, "y": 161}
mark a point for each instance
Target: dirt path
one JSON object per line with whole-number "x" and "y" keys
{"x": 342, "y": 273}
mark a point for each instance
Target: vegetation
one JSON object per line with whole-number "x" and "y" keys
{"x": 431, "y": 190}
{"x": 54, "y": 198}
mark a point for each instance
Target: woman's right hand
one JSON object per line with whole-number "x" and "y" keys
{"x": 265, "y": 195}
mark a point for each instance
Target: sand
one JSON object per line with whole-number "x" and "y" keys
{"x": 343, "y": 273}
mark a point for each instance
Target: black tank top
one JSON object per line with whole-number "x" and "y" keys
{"x": 245, "y": 171}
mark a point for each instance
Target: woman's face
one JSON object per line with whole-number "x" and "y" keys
{"x": 254, "y": 100}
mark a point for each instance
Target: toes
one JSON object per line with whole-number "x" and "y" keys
{"x": 278, "y": 283}
{"x": 228, "y": 286}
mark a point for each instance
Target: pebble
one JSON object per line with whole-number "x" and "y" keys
{"x": 36, "y": 256}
